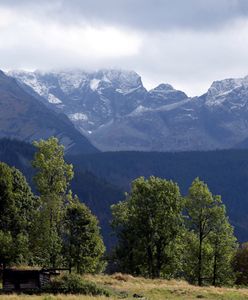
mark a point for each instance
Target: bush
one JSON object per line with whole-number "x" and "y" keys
{"x": 74, "y": 284}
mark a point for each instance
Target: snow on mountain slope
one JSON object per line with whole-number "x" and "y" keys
{"x": 97, "y": 96}
{"x": 23, "y": 117}
{"x": 116, "y": 112}
{"x": 219, "y": 90}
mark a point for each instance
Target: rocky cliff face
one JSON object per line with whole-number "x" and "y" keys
{"x": 114, "y": 110}
{"x": 25, "y": 118}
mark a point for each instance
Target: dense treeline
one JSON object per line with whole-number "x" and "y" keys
{"x": 95, "y": 192}
{"x": 224, "y": 171}
{"x": 18, "y": 208}
{"x": 160, "y": 232}
{"x": 106, "y": 176}
{"x": 52, "y": 229}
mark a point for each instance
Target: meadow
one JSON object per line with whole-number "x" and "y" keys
{"x": 128, "y": 287}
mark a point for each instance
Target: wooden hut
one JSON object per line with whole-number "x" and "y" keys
{"x": 19, "y": 280}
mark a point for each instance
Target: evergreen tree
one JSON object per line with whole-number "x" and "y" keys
{"x": 52, "y": 181}
{"x": 84, "y": 246}
{"x": 148, "y": 226}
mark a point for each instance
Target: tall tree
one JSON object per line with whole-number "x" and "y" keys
{"x": 52, "y": 181}
{"x": 27, "y": 204}
{"x": 18, "y": 206}
{"x": 83, "y": 243}
{"x": 6, "y": 249}
{"x": 224, "y": 245}
{"x": 148, "y": 226}
{"x": 211, "y": 236}
{"x": 7, "y": 203}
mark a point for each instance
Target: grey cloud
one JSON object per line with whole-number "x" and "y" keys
{"x": 188, "y": 59}
{"x": 140, "y": 14}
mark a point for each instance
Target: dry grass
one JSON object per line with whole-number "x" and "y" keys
{"x": 151, "y": 289}
{"x": 167, "y": 289}
{"x": 51, "y": 297}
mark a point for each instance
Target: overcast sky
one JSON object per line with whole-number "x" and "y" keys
{"x": 187, "y": 43}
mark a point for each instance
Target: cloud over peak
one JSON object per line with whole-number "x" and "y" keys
{"x": 186, "y": 43}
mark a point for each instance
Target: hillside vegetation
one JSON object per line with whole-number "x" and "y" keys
{"x": 160, "y": 234}
{"x": 106, "y": 176}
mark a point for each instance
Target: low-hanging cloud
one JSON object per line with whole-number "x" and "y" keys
{"x": 186, "y": 43}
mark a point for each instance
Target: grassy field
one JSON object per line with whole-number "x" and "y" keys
{"x": 127, "y": 286}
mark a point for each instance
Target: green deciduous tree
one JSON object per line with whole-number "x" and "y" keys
{"x": 52, "y": 181}
{"x": 224, "y": 245}
{"x": 211, "y": 243}
{"x": 7, "y": 199}
{"x": 6, "y": 249}
{"x": 18, "y": 207}
{"x": 149, "y": 226}
{"x": 84, "y": 246}
{"x": 241, "y": 264}
{"x": 26, "y": 203}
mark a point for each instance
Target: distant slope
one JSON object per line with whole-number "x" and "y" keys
{"x": 97, "y": 193}
{"x": 23, "y": 117}
{"x": 100, "y": 179}
{"x": 242, "y": 145}
{"x": 225, "y": 171}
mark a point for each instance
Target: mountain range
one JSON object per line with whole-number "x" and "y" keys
{"x": 115, "y": 112}
{"x": 23, "y": 117}
{"x": 112, "y": 110}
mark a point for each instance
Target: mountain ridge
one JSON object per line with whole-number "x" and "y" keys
{"x": 25, "y": 118}
{"x": 116, "y": 113}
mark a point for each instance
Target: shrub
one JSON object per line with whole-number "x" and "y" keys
{"x": 74, "y": 284}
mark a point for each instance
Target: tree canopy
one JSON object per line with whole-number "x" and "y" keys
{"x": 211, "y": 243}
{"x": 83, "y": 244}
{"x": 18, "y": 208}
{"x": 149, "y": 225}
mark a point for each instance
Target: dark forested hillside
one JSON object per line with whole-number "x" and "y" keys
{"x": 100, "y": 179}
{"x": 97, "y": 193}
{"x": 225, "y": 171}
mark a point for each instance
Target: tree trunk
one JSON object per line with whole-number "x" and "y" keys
{"x": 150, "y": 261}
{"x": 51, "y": 252}
{"x": 199, "y": 279}
{"x": 159, "y": 259}
{"x": 131, "y": 264}
{"x": 215, "y": 267}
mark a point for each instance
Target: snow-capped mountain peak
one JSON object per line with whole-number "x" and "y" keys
{"x": 51, "y": 85}
{"x": 114, "y": 109}
{"x": 219, "y": 90}
{"x": 163, "y": 87}
{"x": 120, "y": 80}
{"x": 94, "y": 83}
